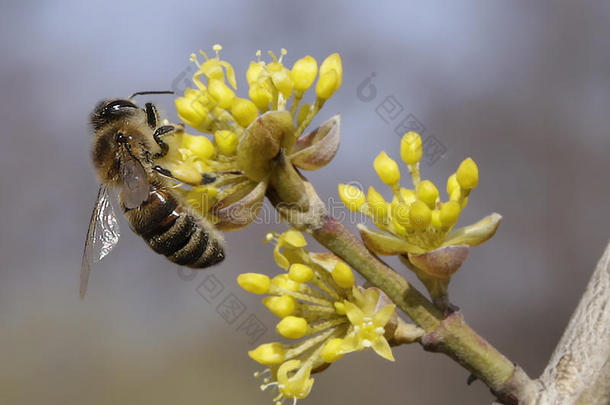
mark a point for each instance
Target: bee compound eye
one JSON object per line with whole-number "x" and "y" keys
{"x": 117, "y": 106}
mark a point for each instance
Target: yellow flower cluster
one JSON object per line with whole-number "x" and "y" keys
{"x": 417, "y": 215}
{"x": 215, "y": 107}
{"x": 210, "y": 165}
{"x": 318, "y": 301}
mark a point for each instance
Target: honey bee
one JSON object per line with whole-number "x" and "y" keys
{"x": 127, "y": 142}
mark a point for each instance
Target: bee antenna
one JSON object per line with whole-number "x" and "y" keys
{"x": 142, "y": 93}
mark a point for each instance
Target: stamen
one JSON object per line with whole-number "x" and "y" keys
{"x": 272, "y": 56}
{"x": 317, "y": 308}
{"x": 217, "y": 48}
{"x": 193, "y": 58}
{"x": 283, "y": 52}
{"x": 265, "y": 386}
{"x": 258, "y": 55}
{"x": 326, "y": 324}
{"x": 305, "y": 297}
{"x": 309, "y": 343}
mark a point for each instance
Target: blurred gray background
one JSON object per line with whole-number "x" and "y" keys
{"x": 523, "y": 88}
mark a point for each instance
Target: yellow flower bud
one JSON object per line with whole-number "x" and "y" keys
{"x": 193, "y": 113}
{"x": 244, "y": 111}
{"x": 292, "y": 327}
{"x": 254, "y": 283}
{"x": 420, "y": 215}
{"x": 410, "y": 148}
{"x": 253, "y": 72}
{"x": 280, "y": 306}
{"x": 333, "y": 63}
{"x": 343, "y": 275}
{"x": 408, "y": 195}
{"x": 281, "y": 79}
{"x": 468, "y": 174}
{"x": 300, "y": 273}
{"x": 377, "y": 204}
{"x": 268, "y": 354}
{"x": 453, "y": 185}
{"x": 285, "y": 283}
{"x": 200, "y": 145}
{"x": 340, "y": 308}
{"x": 226, "y": 141}
{"x": 327, "y": 84}
{"x": 450, "y": 212}
{"x": 427, "y": 192}
{"x": 221, "y": 93}
{"x": 352, "y": 197}
{"x": 304, "y": 73}
{"x": 387, "y": 169}
{"x": 435, "y": 219}
{"x": 187, "y": 173}
{"x": 260, "y": 95}
{"x": 333, "y": 350}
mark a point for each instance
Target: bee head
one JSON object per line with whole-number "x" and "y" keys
{"x": 109, "y": 111}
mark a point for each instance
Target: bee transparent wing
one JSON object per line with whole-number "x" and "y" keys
{"x": 135, "y": 187}
{"x": 102, "y": 235}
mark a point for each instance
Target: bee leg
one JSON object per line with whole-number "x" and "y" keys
{"x": 158, "y": 137}
{"x": 152, "y": 115}
{"x": 163, "y": 171}
{"x": 205, "y": 179}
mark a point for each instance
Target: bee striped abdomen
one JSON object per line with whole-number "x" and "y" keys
{"x": 174, "y": 232}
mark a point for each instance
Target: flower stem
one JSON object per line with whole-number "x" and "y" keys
{"x": 451, "y": 335}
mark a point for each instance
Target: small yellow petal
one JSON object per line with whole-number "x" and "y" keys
{"x": 382, "y": 317}
{"x": 382, "y": 348}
